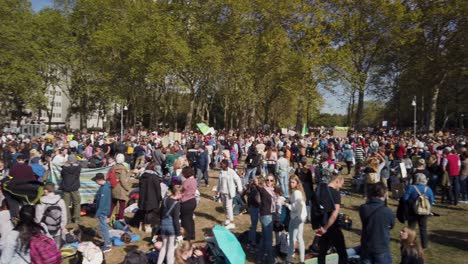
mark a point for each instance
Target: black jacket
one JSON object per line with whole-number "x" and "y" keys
{"x": 376, "y": 226}
{"x": 150, "y": 191}
{"x": 70, "y": 178}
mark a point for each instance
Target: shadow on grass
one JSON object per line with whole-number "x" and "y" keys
{"x": 450, "y": 207}
{"x": 206, "y": 216}
{"x": 130, "y": 248}
{"x": 450, "y": 238}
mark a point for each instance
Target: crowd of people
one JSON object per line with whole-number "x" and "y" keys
{"x": 281, "y": 181}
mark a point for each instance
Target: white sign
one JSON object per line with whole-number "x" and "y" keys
{"x": 404, "y": 174}
{"x": 384, "y": 123}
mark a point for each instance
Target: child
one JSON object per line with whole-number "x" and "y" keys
{"x": 170, "y": 226}
{"x": 52, "y": 212}
{"x": 103, "y": 204}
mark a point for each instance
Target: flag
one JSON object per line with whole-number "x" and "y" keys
{"x": 305, "y": 130}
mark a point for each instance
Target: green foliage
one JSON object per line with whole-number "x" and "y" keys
{"x": 233, "y": 63}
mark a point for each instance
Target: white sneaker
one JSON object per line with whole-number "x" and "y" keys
{"x": 230, "y": 226}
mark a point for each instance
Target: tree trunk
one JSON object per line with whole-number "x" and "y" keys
{"x": 435, "y": 96}
{"x": 360, "y": 109}
{"x": 266, "y": 113}
{"x": 300, "y": 114}
{"x": 188, "y": 119}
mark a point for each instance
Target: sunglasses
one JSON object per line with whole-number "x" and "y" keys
{"x": 270, "y": 180}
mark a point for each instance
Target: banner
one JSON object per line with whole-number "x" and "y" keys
{"x": 205, "y": 129}
{"x": 88, "y": 188}
{"x": 305, "y": 130}
{"x": 284, "y": 131}
{"x": 340, "y": 132}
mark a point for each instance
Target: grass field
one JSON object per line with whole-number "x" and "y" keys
{"x": 448, "y": 233}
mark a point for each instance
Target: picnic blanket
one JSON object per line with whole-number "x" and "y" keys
{"x": 88, "y": 188}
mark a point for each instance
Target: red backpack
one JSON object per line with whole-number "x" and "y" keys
{"x": 43, "y": 250}
{"x": 112, "y": 178}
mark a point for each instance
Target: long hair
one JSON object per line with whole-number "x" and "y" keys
{"x": 27, "y": 227}
{"x": 410, "y": 246}
{"x": 181, "y": 249}
{"x": 299, "y": 187}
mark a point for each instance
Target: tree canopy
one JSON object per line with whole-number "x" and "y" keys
{"x": 242, "y": 64}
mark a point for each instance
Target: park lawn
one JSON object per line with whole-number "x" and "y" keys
{"x": 448, "y": 233}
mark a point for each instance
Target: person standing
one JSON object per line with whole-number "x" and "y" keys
{"x": 188, "y": 203}
{"x": 453, "y": 169}
{"x": 202, "y": 165}
{"x": 253, "y": 202}
{"x": 170, "y": 226}
{"x": 227, "y": 184}
{"x": 411, "y": 195}
{"x": 377, "y": 221}
{"x": 330, "y": 234}
{"x": 122, "y": 188}
{"x": 282, "y": 173}
{"x": 297, "y": 206}
{"x": 252, "y": 162}
{"x": 70, "y": 186}
{"x": 150, "y": 196}
{"x": 103, "y": 203}
{"x": 52, "y": 212}
{"x": 267, "y": 208}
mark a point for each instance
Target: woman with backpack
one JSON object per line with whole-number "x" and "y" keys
{"x": 414, "y": 194}
{"x": 170, "y": 226}
{"x": 26, "y": 243}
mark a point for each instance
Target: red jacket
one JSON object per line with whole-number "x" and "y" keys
{"x": 453, "y": 165}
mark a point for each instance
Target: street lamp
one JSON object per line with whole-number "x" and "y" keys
{"x": 122, "y": 109}
{"x": 413, "y": 103}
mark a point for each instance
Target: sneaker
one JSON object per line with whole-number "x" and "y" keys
{"x": 230, "y": 226}
{"x": 106, "y": 249}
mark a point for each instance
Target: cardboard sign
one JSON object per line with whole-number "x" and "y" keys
{"x": 178, "y": 137}
{"x": 284, "y": 131}
{"x": 404, "y": 174}
{"x": 384, "y": 123}
{"x": 291, "y": 133}
{"x": 165, "y": 141}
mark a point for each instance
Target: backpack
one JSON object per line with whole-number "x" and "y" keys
{"x": 43, "y": 250}
{"x": 422, "y": 205}
{"x": 52, "y": 218}
{"x": 112, "y": 178}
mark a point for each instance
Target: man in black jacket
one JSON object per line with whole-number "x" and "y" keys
{"x": 150, "y": 197}
{"x": 70, "y": 186}
{"x": 377, "y": 221}
{"x": 202, "y": 165}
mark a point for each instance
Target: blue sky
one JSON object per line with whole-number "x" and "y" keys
{"x": 39, "y": 4}
{"x": 332, "y": 104}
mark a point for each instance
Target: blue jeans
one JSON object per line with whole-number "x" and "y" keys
{"x": 464, "y": 187}
{"x": 104, "y": 229}
{"x": 254, "y": 214}
{"x": 266, "y": 245}
{"x": 283, "y": 178}
{"x": 249, "y": 174}
{"x": 201, "y": 174}
{"x": 383, "y": 258}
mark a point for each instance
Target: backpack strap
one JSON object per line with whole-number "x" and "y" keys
{"x": 170, "y": 208}
{"x": 417, "y": 190}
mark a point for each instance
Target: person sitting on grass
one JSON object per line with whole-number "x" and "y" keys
{"x": 411, "y": 251}
{"x": 188, "y": 254}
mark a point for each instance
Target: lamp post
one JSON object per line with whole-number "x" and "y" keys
{"x": 413, "y": 103}
{"x": 122, "y": 109}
